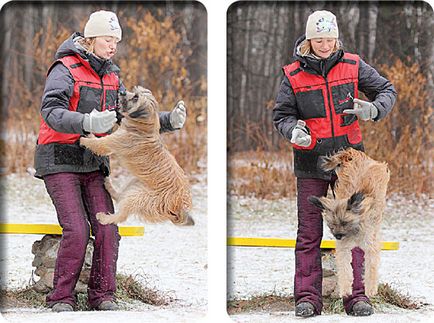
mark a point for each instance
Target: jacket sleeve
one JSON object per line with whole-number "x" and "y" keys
{"x": 377, "y": 89}
{"x": 165, "y": 125}
{"x": 285, "y": 111}
{"x": 55, "y": 111}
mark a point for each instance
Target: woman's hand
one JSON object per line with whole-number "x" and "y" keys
{"x": 363, "y": 109}
{"x": 300, "y": 135}
{"x": 99, "y": 122}
{"x": 178, "y": 115}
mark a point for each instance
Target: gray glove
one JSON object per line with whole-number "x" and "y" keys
{"x": 300, "y": 134}
{"x": 99, "y": 122}
{"x": 178, "y": 115}
{"x": 363, "y": 109}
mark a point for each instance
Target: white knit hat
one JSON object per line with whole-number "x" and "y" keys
{"x": 103, "y": 23}
{"x": 322, "y": 24}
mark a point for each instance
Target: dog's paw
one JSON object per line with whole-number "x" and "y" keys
{"x": 188, "y": 221}
{"x": 104, "y": 218}
{"x": 371, "y": 290}
{"x": 86, "y": 139}
{"x": 345, "y": 290}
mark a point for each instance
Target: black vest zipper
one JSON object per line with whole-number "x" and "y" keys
{"x": 102, "y": 94}
{"x": 322, "y": 67}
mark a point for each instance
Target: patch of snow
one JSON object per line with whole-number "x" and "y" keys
{"x": 258, "y": 271}
{"x": 170, "y": 258}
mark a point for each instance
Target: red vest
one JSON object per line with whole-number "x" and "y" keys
{"x": 321, "y": 101}
{"x": 97, "y": 93}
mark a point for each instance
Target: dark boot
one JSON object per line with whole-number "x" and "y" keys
{"x": 62, "y": 307}
{"x": 107, "y": 306}
{"x": 304, "y": 309}
{"x": 362, "y": 309}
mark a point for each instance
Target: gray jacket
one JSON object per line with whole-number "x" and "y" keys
{"x": 286, "y": 111}
{"x": 56, "y": 157}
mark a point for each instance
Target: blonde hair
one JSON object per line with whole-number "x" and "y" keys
{"x": 306, "y": 47}
{"x": 88, "y": 44}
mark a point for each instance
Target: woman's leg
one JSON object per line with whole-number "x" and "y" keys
{"x": 308, "y": 268}
{"x": 102, "y": 281}
{"x": 65, "y": 192}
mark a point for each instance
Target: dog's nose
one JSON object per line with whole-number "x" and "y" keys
{"x": 339, "y": 236}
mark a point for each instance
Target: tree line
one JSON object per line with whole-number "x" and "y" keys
{"x": 22, "y": 22}
{"x": 261, "y": 37}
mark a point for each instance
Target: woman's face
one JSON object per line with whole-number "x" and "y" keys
{"x": 323, "y": 47}
{"x": 105, "y": 46}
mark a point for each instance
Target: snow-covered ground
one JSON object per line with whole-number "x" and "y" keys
{"x": 258, "y": 271}
{"x": 171, "y": 259}
{"x": 174, "y": 259}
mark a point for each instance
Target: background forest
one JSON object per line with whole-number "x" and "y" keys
{"x": 163, "y": 48}
{"x": 394, "y": 37}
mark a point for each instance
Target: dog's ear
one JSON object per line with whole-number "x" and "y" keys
{"x": 316, "y": 201}
{"x": 354, "y": 203}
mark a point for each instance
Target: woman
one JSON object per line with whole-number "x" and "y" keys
{"x": 318, "y": 111}
{"x": 80, "y": 97}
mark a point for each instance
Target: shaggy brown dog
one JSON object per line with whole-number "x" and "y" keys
{"x": 354, "y": 216}
{"x": 160, "y": 190}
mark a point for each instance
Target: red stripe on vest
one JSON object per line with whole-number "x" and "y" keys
{"x": 83, "y": 75}
{"x": 330, "y": 125}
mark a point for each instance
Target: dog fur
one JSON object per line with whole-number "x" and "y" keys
{"x": 354, "y": 216}
{"x": 159, "y": 190}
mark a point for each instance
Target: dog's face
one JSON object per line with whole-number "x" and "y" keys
{"x": 343, "y": 217}
{"x": 139, "y": 105}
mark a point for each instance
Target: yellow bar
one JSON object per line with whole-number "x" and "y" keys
{"x": 290, "y": 243}
{"x": 30, "y": 228}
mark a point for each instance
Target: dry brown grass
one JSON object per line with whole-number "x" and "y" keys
{"x": 129, "y": 289}
{"x": 273, "y": 302}
{"x": 261, "y": 174}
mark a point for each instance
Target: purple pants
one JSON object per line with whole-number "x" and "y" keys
{"x": 308, "y": 267}
{"x": 77, "y": 197}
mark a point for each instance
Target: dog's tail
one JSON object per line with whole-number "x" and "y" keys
{"x": 329, "y": 163}
{"x": 333, "y": 161}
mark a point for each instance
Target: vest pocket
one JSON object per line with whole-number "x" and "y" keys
{"x": 311, "y": 104}
{"x": 90, "y": 98}
{"x": 343, "y": 95}
{"x": 68, "y": 154}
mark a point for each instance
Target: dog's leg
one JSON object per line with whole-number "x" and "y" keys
{"x": 109, "y": 187}
{"x": 138, "y": 202}
{"x": 372, "y": 262}
{"x": 344, "y": 269}
{"x": 99, "y": 146}
{"x": 108, "y": 218}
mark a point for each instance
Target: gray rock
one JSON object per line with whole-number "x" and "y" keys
{"x": 45, "y": 251}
